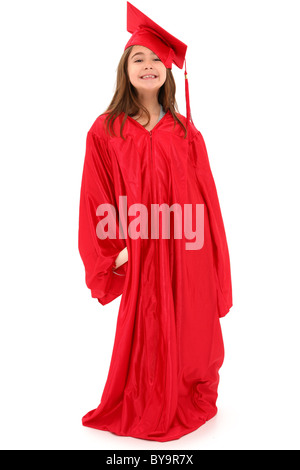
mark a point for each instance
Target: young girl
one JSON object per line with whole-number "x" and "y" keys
{"x": 142, "y": 158}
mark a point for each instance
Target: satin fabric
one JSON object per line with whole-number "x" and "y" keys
{"x": 164, "y": 372}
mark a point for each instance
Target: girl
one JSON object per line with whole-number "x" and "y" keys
{"x": 142, "y": 158}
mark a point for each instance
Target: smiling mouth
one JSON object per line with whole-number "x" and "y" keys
{"x": 149, "y": 77}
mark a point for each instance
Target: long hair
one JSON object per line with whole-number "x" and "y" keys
{"x": 126, "y": 98}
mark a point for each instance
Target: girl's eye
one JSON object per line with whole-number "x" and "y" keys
{"x": 140, "y": 60}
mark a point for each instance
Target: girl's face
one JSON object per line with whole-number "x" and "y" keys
{"x": 146, "y": 71}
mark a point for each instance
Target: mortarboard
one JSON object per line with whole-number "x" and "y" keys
{"x": 168, "y": 48}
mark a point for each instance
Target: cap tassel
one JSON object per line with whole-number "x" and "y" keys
{"x": 187, "y": 98}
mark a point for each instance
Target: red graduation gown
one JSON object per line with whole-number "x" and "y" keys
{"x": 168, "y": 349}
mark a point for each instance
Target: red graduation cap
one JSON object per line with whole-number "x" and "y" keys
{"x": 168, "y": 48}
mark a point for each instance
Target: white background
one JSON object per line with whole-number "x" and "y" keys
{"x": 58, "y": 72}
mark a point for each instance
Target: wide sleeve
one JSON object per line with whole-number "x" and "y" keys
{"x": 219, "y": 242}
{"x": 98, "y": 253}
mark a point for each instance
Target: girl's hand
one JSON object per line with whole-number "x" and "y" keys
{"x": 122, "y": 258}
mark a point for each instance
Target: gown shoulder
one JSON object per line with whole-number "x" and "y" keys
{"x": 98, "y": 126}
{"x": 192, "y": 128}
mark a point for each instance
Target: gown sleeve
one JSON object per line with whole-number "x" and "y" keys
{"x": 99, "y": 255}
{"x": 219, "y": 242}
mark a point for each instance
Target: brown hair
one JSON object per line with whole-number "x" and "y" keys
{"x": 126, "y": 98}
